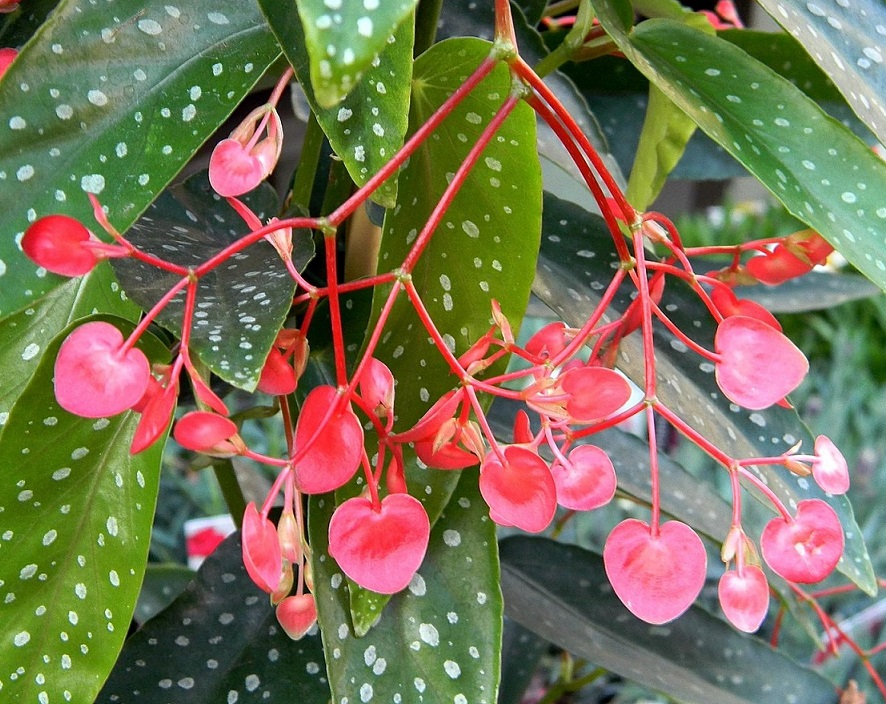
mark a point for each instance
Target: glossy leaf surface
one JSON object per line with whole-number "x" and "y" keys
{"x": 822, "y": 173}
{"x": 74, "y": 535}
{"x": 847, "y": 40}
{"x": 561, "y": 592}
{"x": 242, "y": 303}
{"x": 343, "y": 38}
{"x": 219, "y": 641}
{"x": 122, "y": 132}
{"x": 367, "y": 127}
{"x": 436, "y": 642}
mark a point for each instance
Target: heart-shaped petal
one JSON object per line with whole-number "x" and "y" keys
{"x": 95, "y": 377}
{"x": 830, "y": 470}
{"x": 586, "y": 481}
{"x": 656, "y": 577}
{"x": 594, "y": 393}
{"x": 336, "y": 442}
{"x": 521, "y": 490}
{"x": 744, "y": 597}
{"x": 233, "y": 170}
{"x": 757, "y": 365}
{"x": 277, "y": 375}
{"x": 156, "y": 415}
{"x": 297, "y": 614}
{"x": 380, "y": 549}
{"x": 807, "y": 548}
{"x": 261, "y": 550}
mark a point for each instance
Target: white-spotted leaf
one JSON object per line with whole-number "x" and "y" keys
{"x": 75, "y": 527}
{"x": 241, "y": 304}
{"x": 25, "y": 335}
{"x": 368, "y": 126}
{"x": 439, "y": 640}
{"x": 343, "y": 37}
{"x": 822, "y": 173}
{"x": 219, "y": 641}
{"x": 168, "y": 78}
{"x": 848, "y": 40}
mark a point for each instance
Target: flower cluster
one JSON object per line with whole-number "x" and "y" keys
{"x": 570, "y": 392}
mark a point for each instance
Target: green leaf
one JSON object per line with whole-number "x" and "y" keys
{"x": 521, "y": 652}
{"x": 576, "y": 262}
{"x": 846, "y": 39}
{"x": 343, "y": 38}
{"x": 368, "y": 126}
{"x": 816, "y": 290}
{"x": 489, "y": 236}
{"x": 218, "y": 642}
{"x": 663, "y": 139}
{"x": 822, "y": 173}
{"x": 241, "y": 304}
{"x": 82, "y": 109}
{"x": 75, "y": 528}
{"x": 561, "y": 592}
{"x": 439, "y": 640}
{"x": 25, "y": 335}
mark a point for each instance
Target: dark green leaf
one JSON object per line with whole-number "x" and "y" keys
{"x": 24, "y": 336}
{"x": 114, "y": 98}
{"x": 218, "y": 642}
{"x": 561, "y": 592}
{"x": 242, "y": 303}
{"x": 367, "y": 127}
{"x": 814, "y": 291}
{"x": 521, "y": 652}
{"x": 343, "y": 38}
{"x": 820, "y": 171}
{"x": 436, "y": 642}
{"x": 576, "y": 263}
{"x": 17, "y": 27}
{"x": 75, "y": 527}
{"x": 846, "y": 39}
{"x": 162, "y": 585}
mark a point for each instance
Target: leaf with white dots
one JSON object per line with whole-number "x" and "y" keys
{"x": 75, "y": 529}
{"x": 343, "y": 37}
{"x": 817, "y": 168}
{"x": 219, "y": 641}
{"x": 368, "y": 126}
{"x": 439, "y": 640}
{"x": 242, "y": 303}
{"x": 576, "y": 262}
{"x": 114, "y": 98}
{"x": 25, "y": 335}
{"x": 486, "y": 243}
{"x": 561, "y": 592}
{"x": 847, "y": 38}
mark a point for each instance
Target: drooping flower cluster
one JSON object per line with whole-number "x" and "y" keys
{"x": 379, "y": 537}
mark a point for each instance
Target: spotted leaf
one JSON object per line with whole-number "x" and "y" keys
{"x": 219, "y": 641}
{"x": 488, "y": 235}
{"x": 25, "y": 335}
{"x": 344, "y": 37}
{"x": 822, "y": 173}
{"x": 74, "y": 536}
{"x": 437, "y": 641}
{"x": 367, "y": 127}
{"x": 242, "y": 303}
{"x": 696, "y": 659}
{"x": 123, "y": 131}
{"x": 577, "y": 257}
{"x": 848, "y": 40}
